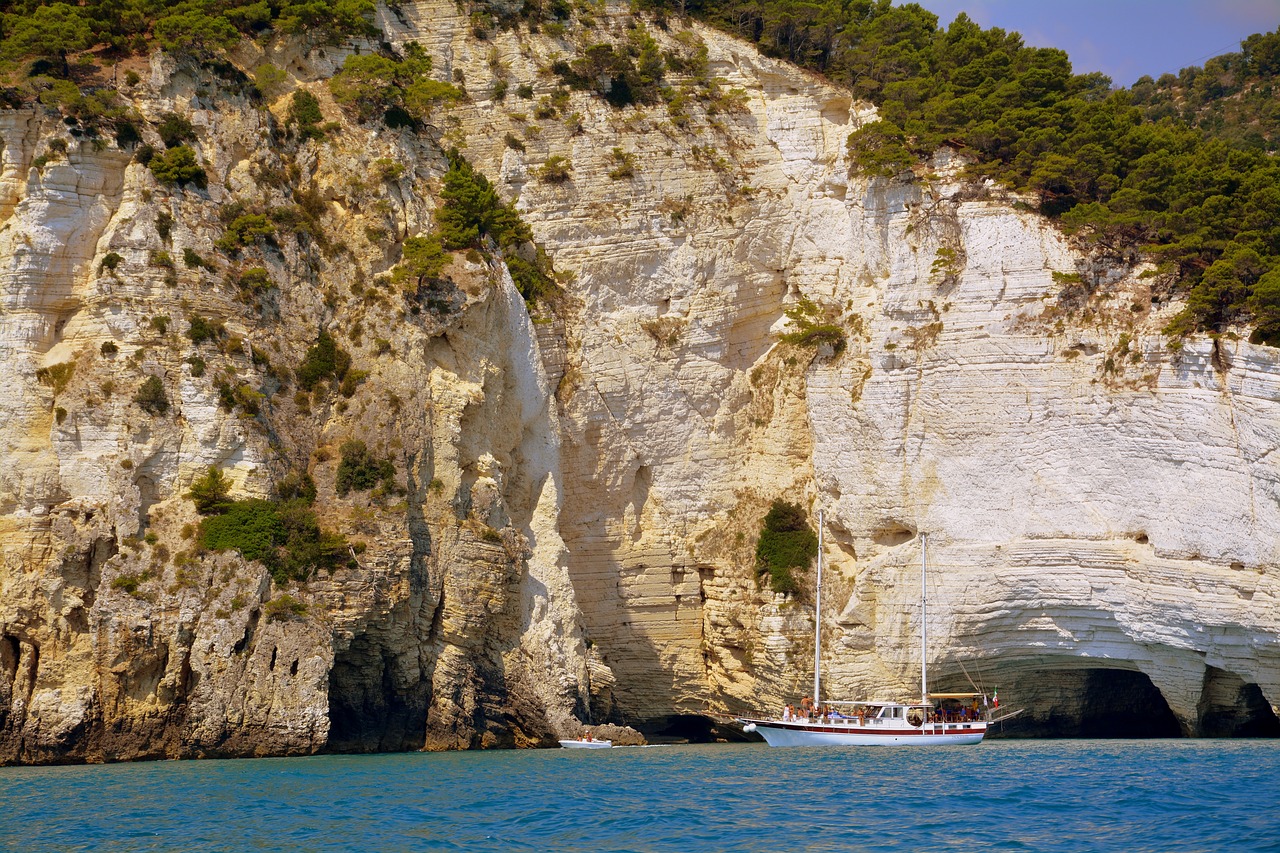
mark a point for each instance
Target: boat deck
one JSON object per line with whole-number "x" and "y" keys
{"x": 871, "y": 726}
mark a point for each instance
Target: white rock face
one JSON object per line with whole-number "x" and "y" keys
{"x": 1095, "y": 500}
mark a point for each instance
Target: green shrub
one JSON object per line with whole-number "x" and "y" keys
{"x": 127, "y": 133}
{"x": 332, "y": 21}
{"x": 879, "y": 149}
{"x": 373, "y": 86}
{"x": 285, "y": 536}
{"x": 423, "y": 259}
{"x": 49, "y": 32}
{"x": 201, "y": 329}
{"x": 226, "y": 395}
{"x": 544, "y": 109}
{"x": 196, "y": 34}
{"x": 786, "y": 543}
{"x": 130, "y": 582}
{"x": 323, "y": 360}
{"x": 473, "y": 210}
{"x": 622, "y": 75}
{"x": 151, "y": 396}
{"x": 270, "y": 79}
{"x": 210, "y": 493}
{"x": 247, "y": 398}
{"x": 175, "y": 129}
{"x": 56, "y": 376}
{"x": 557, "y": 170}
{"x": 179, "y": 166}
{"x": 624, "y": 165}
{"x": 296, "y": 485}
{"x": 385, "y": 169}
{"x": 255, "y": 280}
{"x": 244, "y": 230}
{"x": 285, "y": 608}
{"x": 304, "y": 111}
{"x": 360, "y": 471}
{"x": 109, "y": 348}
{"x": 352, "y": 381}
{"x": 252, "y": 527}
{"x": 110, "y": 262}
{"x": 531, "y": 279}
{"x": 813, "y": 327}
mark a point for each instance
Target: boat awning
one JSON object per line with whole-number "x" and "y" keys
{"x": 954, "y": 695}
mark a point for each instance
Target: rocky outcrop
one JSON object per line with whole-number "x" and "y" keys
{"x": 570, "y": 536}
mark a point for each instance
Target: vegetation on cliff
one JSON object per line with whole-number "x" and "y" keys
{"x": 47, "y": 33}
{"x": 282, "y": 534}
{"x": 472, "y": 216}
{"x": 814, "y": 326}
{"x": 1181, "y": 169}
{"x": 787, "y": 543}
{"x": 399, "y": 90}
{"x": 360, "y": 470}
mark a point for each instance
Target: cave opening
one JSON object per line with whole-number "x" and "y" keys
{"x": 1089, "y": 703}
{"x": 688, "y": 728}
{"x": 377, "y": 700}
{"x": 1229, "y": 707}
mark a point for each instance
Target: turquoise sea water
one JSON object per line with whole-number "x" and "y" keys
{"x": 1012, "y": 795}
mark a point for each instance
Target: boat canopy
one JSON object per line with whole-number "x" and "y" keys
{"x": 955, "y": 695}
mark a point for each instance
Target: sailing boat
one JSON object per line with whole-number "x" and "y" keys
{"x": 936, "y": 719}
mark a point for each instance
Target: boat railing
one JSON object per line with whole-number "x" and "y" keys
{"x": 880, "y": 722}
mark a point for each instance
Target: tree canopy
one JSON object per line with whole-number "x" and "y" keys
{"x": 35, "y": 30}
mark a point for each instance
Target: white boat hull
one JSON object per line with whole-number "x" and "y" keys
{"x": 778, "y": 733}
{"x": 586, "y": 744}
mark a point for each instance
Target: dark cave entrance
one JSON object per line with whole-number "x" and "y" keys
{"x": 377, "y": 700}
{"x": 1121, "y": 704}
{"x": 1089, "y": 703}
{"x": 688, "y": 728}
{"x": 1231, "y": 708}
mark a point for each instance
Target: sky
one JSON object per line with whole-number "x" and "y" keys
{"x": 1123, "y": 39}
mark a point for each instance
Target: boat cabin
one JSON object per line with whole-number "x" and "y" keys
{"x": 948, "y": 708}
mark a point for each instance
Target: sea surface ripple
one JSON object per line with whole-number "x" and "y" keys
{"x": 1174, "y": 795}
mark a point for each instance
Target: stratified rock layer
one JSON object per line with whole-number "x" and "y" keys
{"x": 570, "y": 538}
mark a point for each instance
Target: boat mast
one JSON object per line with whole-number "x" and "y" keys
{"x": 924, "y": 635}
{"x": 817, "y": 625}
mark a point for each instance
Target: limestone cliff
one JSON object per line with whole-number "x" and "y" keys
{"x": 577, "y": 492}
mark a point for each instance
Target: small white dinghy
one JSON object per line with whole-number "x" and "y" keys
{"x": 585, "y": 743}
